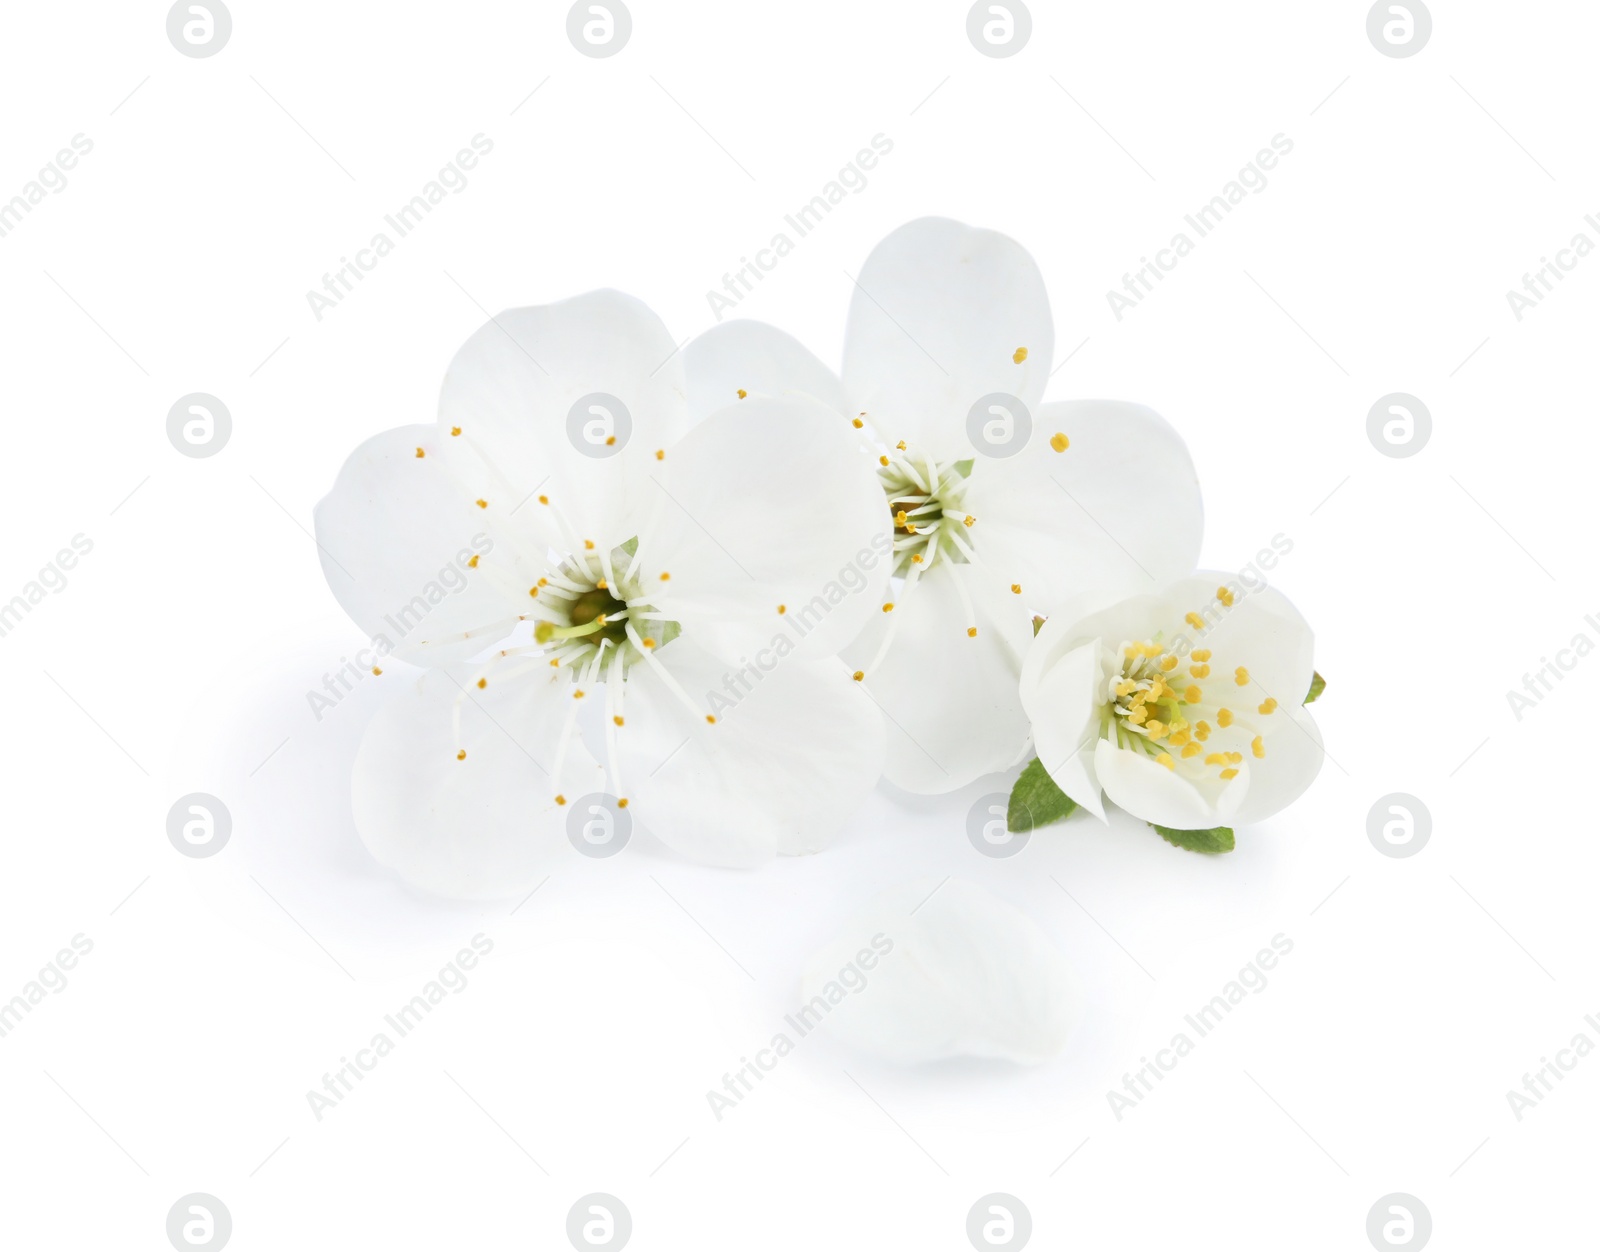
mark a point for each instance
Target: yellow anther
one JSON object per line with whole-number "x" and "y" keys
{"x": 972, "y": 632}
{"x": 1191, "y": 749}
{"x": 1225, "y": 596}
{"x": 665, "y": 577}
{"x": 1192, "y": 695}
{"x": 1179, "y": 735}
{"x": 610, "y": 439}
{"x": 1165, "y": 759}
{"x": 857, "y": 422}
{"x": 1195, "y": 620}
{"x": 1235, "y": 757}
{"x": 1156, "y": 729}
{"x": 889, "y": 607}
{"x": 1152, "y": 649}
{"x": 1229, "y": 773}
{"x": 482, "y": 683}
{"x": 622, "y": 802}
{"x": 1241, "y": 676}
{"x": 554, "y": 661}
{"x": 482, "y": 504}
{"x": 1257, "y": 748}
{"x": 782, "y": 609}
{"x": 544, "y": 499}
{"x": 1016, "y": 589}
{"x": 900, "y": 518}
{"x": 472, "y": 562}
{"x": 1224, "y": 717}
{"x": 544, "y": 582}
{"x": 1019, "y": 356}
{"x": 1201, "y": 654}
{"x": 1124, "y": 687}
{"x": 901, "y": 445}
{"x": 461, "y": 755}
{"x": 743, "y": 393}
{"x": 455, "y": 430}
{"x": 1217, "y": 758}
{"x": 533, "y": 591}
{"x": 1202, "y": 731}
{"x": 588, "y": 545}
{"x": 376, "y": 670}
{"x": 711, "y": 719}
{"x": 578, "y": 694}
{"x": 661, "y": 454}
{"x": 601, "y": 585}
{"x": 1267, "y": 705}
{"x": 648, "y": 642}
{"x": 420, "y": 454}
{"x": 1137, "y": 714}
{"x": 968, "y": 520}
{"x": 858, "y": 675}
{"x": 617, "y": 720}
{"x": 561, "y": 799}
{"x": 883, "y": 460}
{"x": 1169, "y": 663}
{"x": 1200, "y": 671}
{"x": 1059, "y": 442}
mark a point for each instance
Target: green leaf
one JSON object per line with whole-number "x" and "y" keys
{"x": 1318, "y": 682}
{"x": 1036, "y": 800}
{"x": 1217, "y": 839}
{"x": 1038, "y": 624}
{"x": 964, "y": 468}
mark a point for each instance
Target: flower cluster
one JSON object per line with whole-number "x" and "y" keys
{"x": 728, "y": 590}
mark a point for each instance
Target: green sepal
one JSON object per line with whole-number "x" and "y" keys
{"x": 964, "y": 468}
{"x": 1217, "y": 839}
{"x": 1318, "y": 683}
{"x": 1036, "y": 800}
{"x": 1038, "y": 624}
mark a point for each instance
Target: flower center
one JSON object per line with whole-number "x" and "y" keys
{"x": 592, "y": 609}
{"x": 925, "y": 500}
{"x": 1160, "y": 705}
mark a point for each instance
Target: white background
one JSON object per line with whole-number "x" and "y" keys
{"x": 177, "y": 259}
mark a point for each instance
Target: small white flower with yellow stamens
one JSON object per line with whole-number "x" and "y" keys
{"x": 994, "y": 516}
{"x": 607, "y": 598}
{"x": 1183, "y": 706}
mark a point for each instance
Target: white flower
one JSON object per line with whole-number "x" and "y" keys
{"x": 933, "y": 971}
{"x": 633, "y": 585}
{"x": 1184, "y": 705}
{"x": 1074, "y": 495}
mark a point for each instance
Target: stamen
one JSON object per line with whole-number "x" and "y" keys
{"x": 1059, "y": 442}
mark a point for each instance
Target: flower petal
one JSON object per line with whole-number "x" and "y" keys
{"x": 933, "y": 971}
{"x": 795, "y": 749}
{"x": 1262, "y": 632}
{"x": 759, "y": 360}
{"x": 951, "y": 699}
{"x": 1151, "y": 792}
{"x": 1118, "y": 508}
{"x": 1293, "y": 746}
{"x": 513, "y": 386}
{"x": 483, "y": 827}
{"x": 936, "y": 320}
{"x": 410, "y": 556}
{"x": 1063, "y": 697}
{"x": 770, "y": 502}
